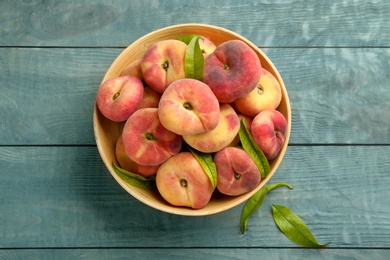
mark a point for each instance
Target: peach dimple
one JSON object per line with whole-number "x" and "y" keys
{"x": 232, "y": 71}
{"x": 269, "y": 129}
{"x": 219, "y": 137}
{"x": 206, "y": 46}
{"x": 119, "y": 97}
{"x": 146, "y": 141}
{"x": 188, "y": 107}
{"x": 236, "y": 171}
{"x": 129, "y": 165}
{"x": 163, "y": 63}
{"x": 182, "y": 181}
{"x": 266, "y": 95}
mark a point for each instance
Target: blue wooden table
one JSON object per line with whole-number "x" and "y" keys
{"x": 57, "y": 199}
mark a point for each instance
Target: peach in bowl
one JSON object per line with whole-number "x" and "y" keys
{"x": 155, "y": 122}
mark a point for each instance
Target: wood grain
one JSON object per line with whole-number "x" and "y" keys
{"x": 266, "y": 23}
{"x": 64, "y": 197}
{"x": 337, "y": 95}
{"x": 199, "y": 253}
{"x": 48, "y": 95}
{"x": 57, "y": 200}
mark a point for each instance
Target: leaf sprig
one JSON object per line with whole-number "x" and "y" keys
{"x": 294, "y": 227}
{"x": 250, "y": 146}
{"x": 135, "y": 180}
{"x": 208, "y": 165}
{"x": 254, "y": 203}
{"x": 287, "y": 221}
{"x": 194, "y": 60}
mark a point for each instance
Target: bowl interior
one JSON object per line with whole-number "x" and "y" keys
{"x": 106, "y": 132}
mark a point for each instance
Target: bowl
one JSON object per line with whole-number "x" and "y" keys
{"x": 106, "y": 132}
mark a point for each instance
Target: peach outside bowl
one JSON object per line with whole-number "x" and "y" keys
{"x": 106, "y": 132}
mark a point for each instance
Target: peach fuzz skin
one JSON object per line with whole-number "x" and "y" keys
{"x": 206, "y": 46}
{"x": 181, "y": 181}
{"x": 119, "y": 97}
{"x": 219, "y": 137}
{"x": 145, "y": 139}
{"x": 129, "y": 165}
{"x": 133, "y": 69}
{"x": 266, "y": 95}
{"x": 237, "y": 173}
{"x": 268, "y": 129}
{"x": 150, "y": 98}
{"x": 188, "y": 107}
{"x": 163, "y": 63}
{"x": 232, "y": 71}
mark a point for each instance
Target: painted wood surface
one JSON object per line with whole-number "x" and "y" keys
{"x": 64, "y": 197}
{"x": 57, "y": 200}
{"x": 189, "y": 253}
{"x": 267, "y": 22}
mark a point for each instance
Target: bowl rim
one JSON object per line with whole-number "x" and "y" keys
{"x": 183, "y": 210}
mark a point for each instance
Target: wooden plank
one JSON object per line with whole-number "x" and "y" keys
{"x": 48, "y": 95}
{"x": 338, "y": 95}
{"x": 269, "y": 23}
{"x": 188, "y": 253}
{"x": 54, "y": 196}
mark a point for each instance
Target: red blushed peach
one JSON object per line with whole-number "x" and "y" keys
{"x": 150, "y": 98}
{"x": 269, "y": 131}
{"x": 232, "y": 71}
{"x": 266, "y": 95}
{"x": 206, "y": 46}
{"x": 181, "y": 181}
{"x": 133, "y": 69}
{"x": 237, "y": 173}
{"x": 163, "y": 63}
{"x": 188, "y": 107}
{"x": 219, "y": 137}
{"x": 146, "y": 140}
{"x": 129, "y": 165}
{"x": 119, "y": 97}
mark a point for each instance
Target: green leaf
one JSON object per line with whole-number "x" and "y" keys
{"x": 187, "y": 38}
{"x": 135, "y": 180}
{"x": 250, "y": 146}
{"x": 208, "y": 165}
{"x": 194, "y": 60}
{"x": 254, "y": 203}
{"x": 294, "y": 227}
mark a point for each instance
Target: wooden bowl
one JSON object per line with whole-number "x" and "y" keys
{"x": 106, "y": 132}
